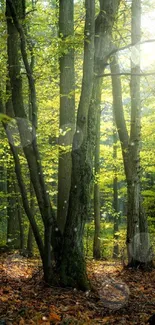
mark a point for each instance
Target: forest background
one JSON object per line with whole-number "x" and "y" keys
{"x": 77, "y": 106}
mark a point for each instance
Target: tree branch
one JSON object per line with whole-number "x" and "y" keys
{"x": 142, "y": 74}
{"x": 130, "y": 45}
{"x": 26, "y": 62}
{"x": 21, "y": 183}
{"x": 50, "y": 216}
{"x": 115, "y": 50}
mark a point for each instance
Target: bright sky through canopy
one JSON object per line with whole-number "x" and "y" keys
{"x": 148, "y": 32}
{"x": 148, "y": 49}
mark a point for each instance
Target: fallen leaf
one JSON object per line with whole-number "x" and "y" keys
{"x": 4, "y": 299}
{"x": 22, "y": 322}
{"x": 54, "y": 317}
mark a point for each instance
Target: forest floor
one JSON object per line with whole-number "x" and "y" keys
{"x": 120, "y": 296}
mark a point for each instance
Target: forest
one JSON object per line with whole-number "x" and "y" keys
{"x": 77, "y": 154}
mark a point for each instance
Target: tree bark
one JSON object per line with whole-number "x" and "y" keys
{"x": 133, "y": 181}
{"x": 96, "y": 244}
{"x": 67, "y": 110}
{"x": 137, "y": 235}
{"x": 13, "y": 233}
{"x": 130, "y": 158}
{"x": 30, "y": 231}
{"x": 115, "y": 195}
{"x": 137, "y": 227}
{"x": 30, "y": 150}
{"x": 103, "y": 30}
{"x": 3, "y": 188}
{"x": 73, "y": 269}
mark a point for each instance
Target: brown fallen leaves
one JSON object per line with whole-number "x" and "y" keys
{"x": 118, "y": 296}
{"x": 52, "y": 318}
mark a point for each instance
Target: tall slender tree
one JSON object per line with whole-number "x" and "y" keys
{"x": 14, "y": 13}
{"x": 138, "y": 246}
{"x": 73, "y": 262}
{"x": 96, "y": 243}
{"x": 103, "y": 33}
{"x": 115, "y": 193}
{"x": 67, "y": 109}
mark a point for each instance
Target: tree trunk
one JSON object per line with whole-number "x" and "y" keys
{"x": 96, "y": 244}
{"x": 30, "y": 242}
{"x": 67, "y": 110}
{"x": 137, "y": 230}
{"x": 103, "y": 29}
{"x": 130, "y": 152}
{"x": 73, "y": 265}
{"x": 32, "y": 193}
{"x": 138, "y": 246}
{"x": 16, "y": 33}
{"x": 18, "y": 110}
{"x": 133, "y": 179}
{"x": 19, "y": 214}
{"x": 21, "y": 227}
{"x": 115, "y": 195}
{"x": 13, "y": 239}
{"x": 73, "y": 269}
{"x": 3, "y": 189}
{"x": 30, "y": 232}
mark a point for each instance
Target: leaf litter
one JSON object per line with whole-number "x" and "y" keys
{"x": 118, "y": 295}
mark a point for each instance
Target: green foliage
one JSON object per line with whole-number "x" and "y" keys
{"x": 106, "y": 239}
{"x": 45, "y": 46}
{"x": 149, "y": 203}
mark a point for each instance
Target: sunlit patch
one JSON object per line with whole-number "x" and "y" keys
{"x": 66, "y": 135}
{"x": 148, "y": 48}
{"x": 103, "y": 215}
{"x": 10, "y": 240}
{"x": 45, "y": 4}
{"x": 16, "y": 266}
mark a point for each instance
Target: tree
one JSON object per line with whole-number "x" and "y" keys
{"x": 14, "y": 10}
{"x": 137, "y": 230}
{"x": 71, "y": 273}
{"x": 115, "y": 195}
{"x": 67, "y": 108}
{"x": 96, "y": 244}
{"x": 103, "y": 31}
{"x": 73, "y": 269}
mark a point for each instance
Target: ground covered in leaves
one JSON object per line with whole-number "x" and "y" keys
{"x": 119, "y": 296}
